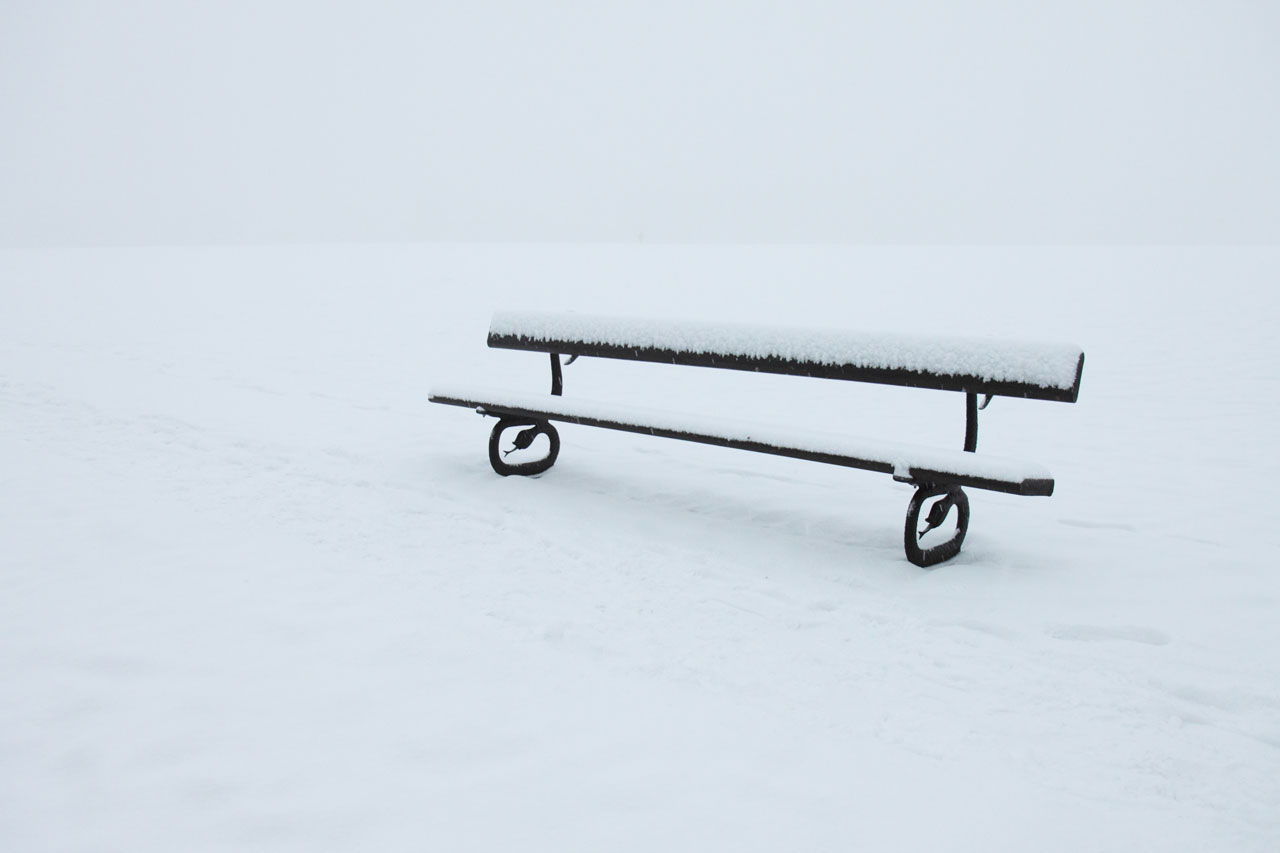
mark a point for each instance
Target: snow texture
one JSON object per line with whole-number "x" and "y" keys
{"x": 1048, "y": 365}
{"x": 258, "y": 594}
{"x": 902, "y": 457}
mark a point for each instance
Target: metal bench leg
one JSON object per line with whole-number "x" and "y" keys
{"x": 523, "y": 440}
{"x": 951, "y": 497}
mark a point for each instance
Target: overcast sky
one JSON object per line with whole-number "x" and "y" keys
{"x": 925, "y": 121}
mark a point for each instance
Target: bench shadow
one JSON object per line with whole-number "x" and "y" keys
{"x": 854, "y": 524}
{"x": 792, "y": 511}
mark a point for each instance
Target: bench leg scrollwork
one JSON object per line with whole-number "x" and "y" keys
{"x": 524, "y": 439}
{"x": 949, "y": 498}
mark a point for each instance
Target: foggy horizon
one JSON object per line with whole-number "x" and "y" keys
{"x": 986, "y": 123}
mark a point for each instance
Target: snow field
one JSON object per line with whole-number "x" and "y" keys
{"x": 259, "y": 594}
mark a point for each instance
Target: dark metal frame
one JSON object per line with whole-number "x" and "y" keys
{"x": 524, "y": 439}
{"x": 929, "y": 484}
{"x": 952, "y": 496}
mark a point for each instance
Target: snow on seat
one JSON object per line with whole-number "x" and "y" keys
{"x": 905, "y": 462}
{"x": 1043, "y": 371}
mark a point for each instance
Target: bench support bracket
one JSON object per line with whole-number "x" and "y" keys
{"x": 523, "y": 440}
{"x": 971, "y": 421}
{"x": 557, "y": 377}
{"x": 952, "y": 497}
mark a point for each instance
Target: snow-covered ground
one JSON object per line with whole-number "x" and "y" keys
{"x": 257, "y": 594}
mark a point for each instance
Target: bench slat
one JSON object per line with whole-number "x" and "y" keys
{"x": 920, "y": 464}
{"x": 1041, "y": 371}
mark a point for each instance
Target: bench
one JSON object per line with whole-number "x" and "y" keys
{"x": 974, "y": 367}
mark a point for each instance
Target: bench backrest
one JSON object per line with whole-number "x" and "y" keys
{"x": 1041, "y": 371}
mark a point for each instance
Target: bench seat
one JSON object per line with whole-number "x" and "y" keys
{"x": 905, "y": 462}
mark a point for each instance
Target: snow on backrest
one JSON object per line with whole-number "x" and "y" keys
{"x": 1046, "y": 365}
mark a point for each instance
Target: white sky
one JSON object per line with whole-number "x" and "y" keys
{"x": 157, "y": 121}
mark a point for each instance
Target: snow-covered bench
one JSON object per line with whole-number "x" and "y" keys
{"x": 973, "y": 366}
